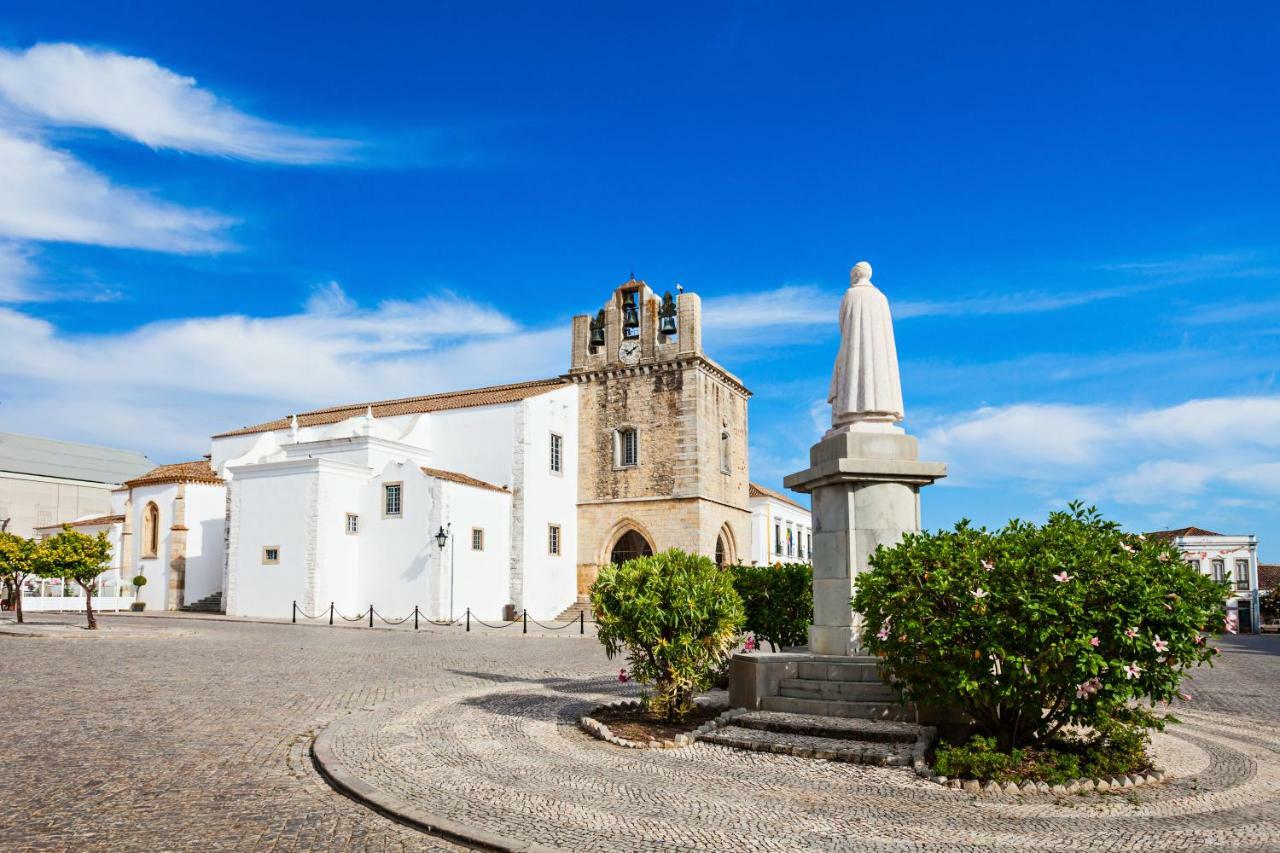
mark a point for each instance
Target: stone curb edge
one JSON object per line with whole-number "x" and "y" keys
{"x": 1075, "y": 786}
{"x": 600, "y": 731}
{"x": 388, "y": 805}
{"x": 851, "y": 756}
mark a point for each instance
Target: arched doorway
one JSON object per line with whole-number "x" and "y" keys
{"x": 629, "y": 546}
{"x": 726, "y": 547}
{"x": 720, "y": 550}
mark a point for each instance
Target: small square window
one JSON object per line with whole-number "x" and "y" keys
{"x": 553, "y": 540}
{"x": 353, "y": 524}
{"x": 477, "y": 539}
{"x": 557, "y": 453}
{"x": 270, "y": 555}
{"x": 392, "y": 503}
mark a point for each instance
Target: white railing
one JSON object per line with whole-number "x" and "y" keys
{"x": 75, "y": 603}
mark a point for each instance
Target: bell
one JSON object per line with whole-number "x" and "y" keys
{"x": 630, "y": 314}
{"x": 667, "y": 315}
{"x": 597, "y": 330}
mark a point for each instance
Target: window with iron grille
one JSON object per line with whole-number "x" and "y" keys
{"x": 392, "y": 505}
{"x": 557, "y": 453}
{"x": 353, "y": 524}
{"x": 628, "y": 448}
{"x": 553, "y": 539}
{"x": 477, "y": 539}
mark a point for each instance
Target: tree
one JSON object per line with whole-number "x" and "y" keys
{"x": 17, "y": 556}
{"x": 1269, "y": 603}
{"x": 778, "y": 601}
{"x": 76, "y": 557}
{"x": 677, "y": 618}
{"x": 1032, "y": 628}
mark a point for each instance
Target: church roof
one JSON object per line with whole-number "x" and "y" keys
{"x": 85, "y": 522}
{"x": 755, "y": 490}
{"x": 1170, "y": 535}
{"x": 181, "y": 472}
{"x": 489, "y": 396}
{"x": 462, "y": 479}
{"x": 26, "y": 454}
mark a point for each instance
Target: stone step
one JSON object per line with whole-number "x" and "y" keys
{"x": 852, "y": 691}
{"x": 580, "y": 607}
{"x": 811, "y": 746}
{"x": 208, "y": 604}
{"x": 848, "y": 728}
{"x": 838, "y": 708}
{"x": 856, "y": 669}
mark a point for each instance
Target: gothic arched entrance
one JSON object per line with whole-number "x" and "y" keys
{"x": 720, "y": 550}
{"x": 629, "y": 546}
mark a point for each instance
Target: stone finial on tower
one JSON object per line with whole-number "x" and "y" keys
{"x": 866, "y": 392}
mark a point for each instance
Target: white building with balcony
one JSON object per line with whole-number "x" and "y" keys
{"x": 781, "y": 528}
{"x": 1231, "y": 559}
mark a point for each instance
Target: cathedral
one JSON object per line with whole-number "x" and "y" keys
{"x": 495, "y": 500}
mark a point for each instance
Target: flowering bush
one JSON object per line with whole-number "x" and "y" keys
{"x": 1031, "y": 628}
{"x": 778, "y": 601}
{"x": 677, "y": 618}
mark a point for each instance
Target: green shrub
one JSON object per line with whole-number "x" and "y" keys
{"x": 1031, "y": 628}
{"x": 1116, "y": 749}
{"x": 778, "y": 601}
{"x": 140, "y": 580}
{"x": 676, "y": 617}
{"x": 977, "y": 759}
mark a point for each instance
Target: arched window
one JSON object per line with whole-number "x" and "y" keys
{"x": 151, "y": 530}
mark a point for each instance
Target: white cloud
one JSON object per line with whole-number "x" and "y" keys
{"x": 134, "y": 97}
{"x": 46, "y": 194}
{"x": 1170, "y": 456}
{"x": 176, "y": 383}
{"x": 16, "y": 274}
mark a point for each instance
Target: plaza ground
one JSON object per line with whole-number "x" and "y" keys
{"x": 202, "y": 740}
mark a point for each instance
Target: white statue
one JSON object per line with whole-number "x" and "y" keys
{"x": 866, "y": 393}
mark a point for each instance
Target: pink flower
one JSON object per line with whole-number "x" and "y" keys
{"x": 623, "y": 677}
{"x": 1062, "y": 576}
{"x": 1095, "y": 642}
{"x": 988, "y": 565}
{"x": 1131, "y": 632}
{"x": 1127, "y": 547}
{"x": 1164, "y": 558}
{"x": 1159, "y": 644}
{"x": 1231, "y": 624}
{"x": 883, "y": 634}
{"x": 749, "y": 643}
{"x": 1132, "y": 670}
{"x": 979, "y": 593}
{"x": 1185, "y": 697}
{"x": 1088, "y": 688}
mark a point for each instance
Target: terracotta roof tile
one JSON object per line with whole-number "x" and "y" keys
{"x": 1268, "y": 575}
{"x": 85, "y": 522}
{"x": 489, "y": 396}
{"x": 181, "y": 472}
{"x": 463, "y": 479}
{"x": 1170, "y": 535}
{"x": 756, "y": 490}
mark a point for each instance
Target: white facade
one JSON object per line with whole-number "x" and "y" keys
{"x": 781, "y": 529}
{"x": 1229, "y": 558}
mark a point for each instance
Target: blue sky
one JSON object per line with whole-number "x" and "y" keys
{"x": 214, "y": 216}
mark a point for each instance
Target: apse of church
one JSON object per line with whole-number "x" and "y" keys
{"x": 662, "y": 434}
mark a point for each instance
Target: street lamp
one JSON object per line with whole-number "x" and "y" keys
{"x": 442, "y": 539}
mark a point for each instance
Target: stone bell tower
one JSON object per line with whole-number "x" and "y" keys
{"x": 662, "y": 434}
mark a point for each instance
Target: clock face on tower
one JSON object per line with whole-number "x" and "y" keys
{"x": 629, "y": 352}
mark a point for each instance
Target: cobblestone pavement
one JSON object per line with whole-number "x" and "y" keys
{"x": 508, "y": 759}
{"x": 203, "y": 742}
{"x": 149, "y": 741}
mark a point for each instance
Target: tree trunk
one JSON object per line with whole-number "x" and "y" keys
{"x": 17, "y": 601}
{"x": 88, "y": 606}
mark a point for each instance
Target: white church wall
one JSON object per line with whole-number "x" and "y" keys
{"x": 477, "y": 441}
{"x": 550, "y": 581}
{"x": 275, "y": 505}
{"x": 480, "y": 577}
{"x": 155, "y": 569}
{"x": 399, "y": 563}
{"x": 337, "y": 553}
{"x": 206, "y": 506}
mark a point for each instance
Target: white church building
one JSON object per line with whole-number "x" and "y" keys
{"x": 486, "y": 500}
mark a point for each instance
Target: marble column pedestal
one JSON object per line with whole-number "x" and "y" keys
{"x": 866, "y": 493}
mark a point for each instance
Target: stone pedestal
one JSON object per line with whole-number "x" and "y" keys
{"x": 866, "y": 493}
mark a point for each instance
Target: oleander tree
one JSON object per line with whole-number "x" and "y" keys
{"x": 75, "y": 556}
{"x": 1035, "y": 627}
{"x": 676, "y": 617}
{"x": 17, "y": 563}
{"x": 778, "y": 601}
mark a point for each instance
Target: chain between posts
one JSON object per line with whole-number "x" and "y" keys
{"x": 416, "y": 614}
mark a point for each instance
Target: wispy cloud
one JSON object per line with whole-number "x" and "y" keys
{"x": 177, "y": 382}
{"x": 48, "y": 195}
{"x": 16, "y": 274}
{"x": 135, "y": 98}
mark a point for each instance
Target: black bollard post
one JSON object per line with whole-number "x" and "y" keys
{"x": 468, "y": 620}
{"x": 582, "y": 622}
{"x": 370, "y": 615}
{"x": 295, "y": 613}
{"x": 526, "y": 621}
{"x": 330, "y": 612}
{"x": 415, "y": 617}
